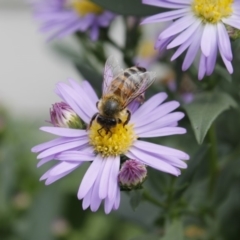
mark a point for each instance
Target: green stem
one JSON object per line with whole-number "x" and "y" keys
{"x": 149, "y": 198}
{"x": 213, "y": 159}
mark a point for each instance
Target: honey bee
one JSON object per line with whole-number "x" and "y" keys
{"x": 120, "y": 88}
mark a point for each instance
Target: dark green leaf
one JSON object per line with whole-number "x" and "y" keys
{"x": 146, "y": 237}
{"x": 128, "y": 7}
{"x": 223, "y": 73}
{"x": 174, "y": 231}
{"x": 135, "y": 198}
{"x": 205, "y": 109}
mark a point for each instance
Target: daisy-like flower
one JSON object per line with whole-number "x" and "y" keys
{"x": 65, "y": 17}
{"x": 198, "y": 25}
{"x": 103, "y": 148}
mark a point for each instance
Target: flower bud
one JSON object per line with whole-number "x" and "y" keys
{"x": 62, "y": 115}
{"x": 132, "y": 175}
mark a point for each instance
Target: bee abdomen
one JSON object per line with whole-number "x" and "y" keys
{"x": 128, "y": 82}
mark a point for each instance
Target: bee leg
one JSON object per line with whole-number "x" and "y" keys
{"x": 128, "y": 118}
{"x": 97, "y": 104}
{"x": 99, "y": 131}
{"x": 119, "y": 120}
{"x": 93, "y": 118}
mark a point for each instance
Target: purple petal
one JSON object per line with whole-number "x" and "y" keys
{"x": 211, "y": 60}
{"x": 224, "y": 42}
{"x": 159, "y": 123}
{"x": 105, "y": 175}
{"x": 232, "y": 22}
{"x": 167, "y": 131}
{"x": 95, "y": 199}
{"x": 68, "y": 98}
{"x": 77, "y": 156}
{"x": 166, "y": 16}
{"x": 178, "y": 26}
{"x": 117, "y": 199}
{"x": 166, "y": 4}
{"x": 155, "y": 148}
{"x": 207, "y": 35}
{"x": 152, "y": 161}
{"x": 52, "y": 143}
{"x": 90, "y": 177}
{"x": 185, "y": 35}
{"x": 192, "y": 51}
{"x": 181, "y": 49}
{"x": 227, "y": 63}
{"x": 202, "y": 67}
{"x": 87, "y": 199}
{"x": 88, "y": 90}
{"x": 113, "y": 178}
{"x": 148, "y": 106}
{"x": 82, "y": 100}
{"x": 156, "y": 114}
{"x": 63, "y": 167}
{"x": 63, "y": 147}
{"x": 108, "y": 205}
{"x": 65, "y": 132}
{"x": 45, "y": 160}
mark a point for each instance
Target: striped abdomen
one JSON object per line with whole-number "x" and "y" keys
{"x": 126, "y": 84}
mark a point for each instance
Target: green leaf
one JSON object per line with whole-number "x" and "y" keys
{"x": 146, "y": 237}
{"x": 174, "y": 231}
{"x": 128, "y": 7}
{"x": 223, "y": 73}
{"x": 206, "y": 107}
{"x": 135, "y": 198}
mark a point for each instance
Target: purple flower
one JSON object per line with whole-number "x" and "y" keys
{"x": 132, "y": 174}
{"x": 62, "y": 115}
{"x": 65, "y": 17}
{"x": 73, "y": 147}
{"x": 197, "y": 25}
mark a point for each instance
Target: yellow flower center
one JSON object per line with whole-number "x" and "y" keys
{"x": 212, "y": 11}
{"x": 84, "y": 7}
{"x": 116, "y": 142}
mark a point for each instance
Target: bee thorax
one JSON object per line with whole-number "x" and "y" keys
{"x": 110, "y": 107}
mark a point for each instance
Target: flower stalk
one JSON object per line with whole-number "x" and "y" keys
{"x": 213, "y": 159}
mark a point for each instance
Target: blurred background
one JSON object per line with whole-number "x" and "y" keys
{"x": 29, "y": 210}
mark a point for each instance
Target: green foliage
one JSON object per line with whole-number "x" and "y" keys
{"x": 174, "y": 231}
{"x": 128, "y": 8}
{"x": 206, "y": 107}
{"x": 135, "y": 198}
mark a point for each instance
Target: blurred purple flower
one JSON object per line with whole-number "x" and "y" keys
{"x": 198, "y": 24}
{"x": 65, "y": 17}
{"x": 73, "y": 147}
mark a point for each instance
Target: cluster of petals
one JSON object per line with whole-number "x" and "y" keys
{"x": 189, "y": 32}
{"x": 60, "y": 21}
{"x": 71, "y": 148}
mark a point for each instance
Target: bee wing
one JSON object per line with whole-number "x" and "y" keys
{"x": 145, "y": 80}
{"x": 111, "y": 71}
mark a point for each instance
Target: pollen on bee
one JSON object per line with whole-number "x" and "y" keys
{"x": 113, "y": 143}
